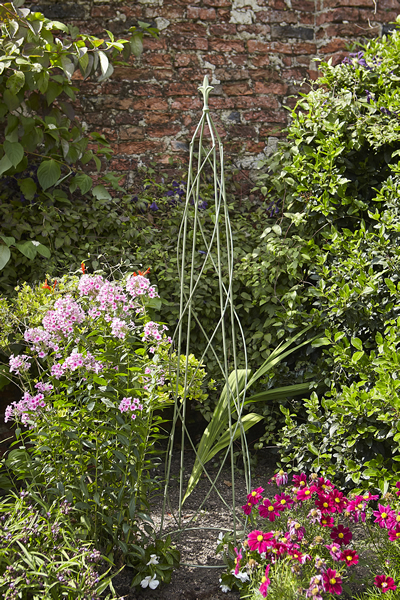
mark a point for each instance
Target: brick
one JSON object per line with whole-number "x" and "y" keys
{"x": 184, "y": 60}
{"x": 254, "y": 147}
{"x": 271, "y": 116}
{"x": 203, "y": 14}
{"x": 278, "y": 89}
{"x": 338, "y": 15}
{"x": 242, "y": 131}
{"x": 333, "y": 46}
{"x": 260, "y": 61}
{"x": 189, "y": 43}
{"x": 238, "y": 60}
{"x": 297, "y": 74}
{"x": 272, "y": 129}
{"x": 223, "y": 29}
{"x": 179, "y": 89}
{"x": 224, "y": 15}
{"x": 221, "y": 103}
{"x": 227, "y": 46}
{"x": 132, "y": 133}
{"x": 157, "y": 60}
{"x": 304, "y": 48}
{"x": 217, "y": 3}
{"x": 187, "y": 104}
{"x": 247, "y": 102}
{"x": 255, "y": 29}
{"x": 237, "y": 89}
{"x": 179, "y": 146}
{"x": 156, "y": 118}
{"x": 187, "y": 29}
{"x": 103, "y": 11}
{"x": 287, "y": 31}
{"x": 256, "y": 46}
{"x": 277, "y": 16}
{"x": 215, "y": 59}
{"x": 306, "y": 5}
{"x": 163, "y": 74}
{"x": 141, "y": 147}
{"x": 232, "y": 74}
{"x": 153, "y": 44}
{"x": 160, "y": 132}
{"x": 127, "y": 164}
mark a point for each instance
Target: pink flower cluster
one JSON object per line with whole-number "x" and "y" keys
{"x": 41, "y": 341}
{"x": 137, "y": 285}
{"x": 65, "y": 315}
{"x": 76, "y": 360}
{"x": 89, "y": 285}
{"x": 119, "y": 328}
{"x": 19, "y": 364}
{"x": 22, "y": 408}
{"x": 154, "y": 331}
{"x": 130, "y": 404}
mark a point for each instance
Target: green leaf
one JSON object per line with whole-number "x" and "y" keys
{"x": 48, "y": 173}
{"x": 28, "y": 187}
{"x": 84, "y": 182}
{"x": 14, "y": 151}
{"x": 53, "y": 90}
{"x": 101, "y": 193}
{"x": 136, "y": 45}
{"x": 16, "y": 82}
{"x": 7, "y": 240}
{"x": 5, "y": 255}
{"x": 103, "y": 62}
{"x": 28, "y": 249}
{"x": 41, "y": 249}
{"x": 5, "y": 164}
{"x": 67, "y": 66}
{"x": 11, "y": 100}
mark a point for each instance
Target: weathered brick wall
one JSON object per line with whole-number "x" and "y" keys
{"x": 256, "y": 53}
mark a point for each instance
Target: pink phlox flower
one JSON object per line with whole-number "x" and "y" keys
{"x": 283, "y": 501}
{"x": 268, "y": 510}
{"x": 384, "y": 515}
{"x": 19, "y": 364}
{"x": 119, "y": 328}
{"x": 385, "y": 583}
{"x": 265, "y": 582}
{"x": 130, "y": 404}
{"x": 138, "y": 285}
{"x": 341, "y": 535}
{"x": 238, "y": 558}
{"x": 332, "y": 582}
{"x": 300, "y": 481}
{"x": 335, "y": 551}
{"x": 154, "y": 332}
{"x": 90, "y": 285}
{"x": 65, "y": 315}
{"x": 44, "y": 388}
{"x": 255, "y": 495}
{"x": 305, "y": 493}
{"x": 259, "y": 541}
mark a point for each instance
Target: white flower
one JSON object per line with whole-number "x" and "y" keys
{"x": 152, "y": 582}
{"x": 153, "y": 560}
{"x": 220, "y": 536}
{"x": 224, "y": 588}
{"x": 242, "y": 576}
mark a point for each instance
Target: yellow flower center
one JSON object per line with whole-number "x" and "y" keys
{"x": 264, "y": 579}
{"x": 302, "y": 483}
{"x": 398, "y": 534}
{"x": 384, "y": 515}
{"x": 398, "y": 518}
{"x": 314, "y": 591}
{"x": 349, "y": 557}
{"x": 254, "y": 493}
{"x": 260, "y": 538}
{"x": 332, "y": 581}
{"x": 283, "y": 501}
{"x": 359, "y": 506}
{"x": 325, "y": 505}
{"x": 337, "y": 500}
{"x": 307, "y": 493}
{"x": 270, "y": 508}
{"x": 341, "y": 535}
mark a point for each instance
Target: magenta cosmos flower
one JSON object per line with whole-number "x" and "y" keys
{"x": 339, "y": 502}
{"x": 349, "y": 557}
{"x": 281, "y": 478}
{"x": 265, "y": 581}
{"x": 283, "y": 501}
{"x": 341, "y": 535}
{"x": 384, "y": 515}
{"x": 259, "y": 541}
{"x": 332, "y": 582}
{"x": 300, "y": 481}
{"x": 268, "y": 510}
{"x": 394, "y": 533}
{"x": 385, "y": 583}
{"x": 305, "y": 493}
{"x": 398, "y": 488}
{"x": 247, "y": 508}
{"x": 255, "y": 496}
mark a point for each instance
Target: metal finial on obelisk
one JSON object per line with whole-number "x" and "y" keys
{"x": 205, "y": 89}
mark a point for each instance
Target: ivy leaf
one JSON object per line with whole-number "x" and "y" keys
{"x": 101, "y": 193}
{"x": 16, "y": 82}
{"x": 14, "y": 151}
{"x": 28, "y": 187}
{"x": 48, "y": 173}
{"x": 5, "y": 255}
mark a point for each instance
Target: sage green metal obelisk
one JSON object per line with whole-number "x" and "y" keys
{"x": 207, "y": 157}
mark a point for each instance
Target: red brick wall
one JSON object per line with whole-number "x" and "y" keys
{"x": 256, "y": 53}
